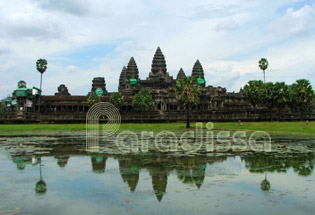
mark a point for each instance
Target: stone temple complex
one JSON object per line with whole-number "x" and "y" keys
{"x": 216, "y": 104}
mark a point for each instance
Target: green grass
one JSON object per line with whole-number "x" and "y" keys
{"x": 274, "y": 128}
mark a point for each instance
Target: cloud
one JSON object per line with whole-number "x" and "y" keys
{"x": 227, "y": 25}
{"x": 8, "y": 66}
{"x": 294, "y": 22}
{"x": 73, "y": 7}
{"x": 4, "y": 51}
{"x": 85, "y": 39}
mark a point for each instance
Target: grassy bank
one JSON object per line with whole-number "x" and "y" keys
{"x": 274, "y": 128}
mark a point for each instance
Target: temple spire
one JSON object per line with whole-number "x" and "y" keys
{"x": 122, "y": 78}
{"x": 158, "y": 62}
{"x": 197, "y": 71}
{"x": 180, "y": 74}
{"x": 132, "y": 70}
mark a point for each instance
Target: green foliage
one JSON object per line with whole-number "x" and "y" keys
{"x": 280, "y": 94}
{"x": 21, "y": 84}
{"x": 116, "y": 99}
{"x": 41, "y": 65}
{"x": 41, "y": 187}
{"x": 93, "y": 99}
{"x": 267, "y": 94}
{"x": 265, "y": 185}
{"x": 2, "y": 105}
{"x": 301, "y": 94}
{"x": 187, "y": 90}
{"x": 253, "y": 92}
{"x": 313, "y": 102}
{"x": 263, "y": 64}
{"x": 143, "y": 99}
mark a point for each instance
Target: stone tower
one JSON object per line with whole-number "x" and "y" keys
{"x": 132, "y": 70}
{"x": 62, "y": 91}
{"x": 158, "y": 63}
{"x": 180, "y": 74}
{"x": 122, "y": 79}
{"x": 99, "y": 83}
{"x": 197, "y": 71}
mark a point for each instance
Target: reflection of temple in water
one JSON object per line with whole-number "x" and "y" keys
{"x": 188, "y": 169}
{"x": 62, "y": 160}
{"x": 98, "y": 163}
{"x": 129, "y": 171}
{"x": 159, "y": 180}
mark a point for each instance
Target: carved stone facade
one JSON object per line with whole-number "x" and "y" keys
{"x": 62, "y": 91}
{"x": 97, "y": 84}
{"x": 216, "y": 104}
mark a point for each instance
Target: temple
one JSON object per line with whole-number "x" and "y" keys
{"x": 216, "y": 104}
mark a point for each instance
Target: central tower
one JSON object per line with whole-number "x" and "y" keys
{"x": 158, "y": 63}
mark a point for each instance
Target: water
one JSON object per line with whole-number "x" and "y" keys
{"x": 76, "y": 182}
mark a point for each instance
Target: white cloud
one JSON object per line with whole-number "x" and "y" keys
{"x": 295, "y": 21}
{"x": 227, "y": 25}
{"x": 75, "y": 7}
{"x": 227, "y": 36}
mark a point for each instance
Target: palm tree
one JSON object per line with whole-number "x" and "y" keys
{"x": 41, "y": 66}
{"x": 263, "y": 65}
{"x": 265, "y": 184}
{"x": 187, "y": 92}
{"x": 40, "y": 187}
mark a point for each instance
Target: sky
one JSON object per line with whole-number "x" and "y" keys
{"x": 82, "y": 39}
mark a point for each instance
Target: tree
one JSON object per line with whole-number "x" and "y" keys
{"x": 143, "y": 99}
{"x": 253, "y": 92}
{"x": 281, "y": 96}
{"x": 267, "y": 97}
{"x": 2, "y": 105}
{"x": 116, "y": 99}
{"x": 263, "y": 65}
{"x": 313, "y": 102}
{"x": 41, "y": 66}
{"x": 21, "y": 84}
{"x": 187, "y": 92}
{"x": 301, "y": 95}
{"x": 93, "y": 99}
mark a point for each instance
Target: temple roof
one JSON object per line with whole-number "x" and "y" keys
{"x": 197, "y": 71}
{"x": 132, "y": 69}
{"x": 122, "y": 74}
{"x": 158, "y": 62}
{"x": 180, "y": 74}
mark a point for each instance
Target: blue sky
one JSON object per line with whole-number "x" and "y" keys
{"x": 82, "y": 39}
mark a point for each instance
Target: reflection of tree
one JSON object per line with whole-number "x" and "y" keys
{"x": 265, "y": 184}
{"x": 62, "y": 160}
{"x": 302, "y": 163}
{"x": 98, "y": 163}
{"x": 129, "y": 171}
{"x": 305, "y": 164}
{"x": 40, "y": 186}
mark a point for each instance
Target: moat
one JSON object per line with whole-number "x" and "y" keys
{"x": 55, "y": 175}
